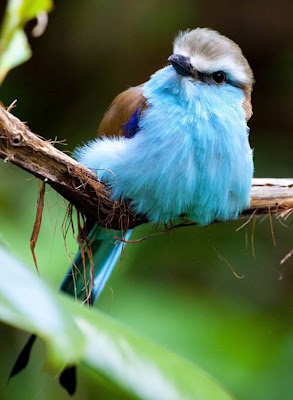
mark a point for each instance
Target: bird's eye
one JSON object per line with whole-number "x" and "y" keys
{"x": 218, "y": 77}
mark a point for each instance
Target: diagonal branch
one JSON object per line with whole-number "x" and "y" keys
{"x": 81, "y": 188}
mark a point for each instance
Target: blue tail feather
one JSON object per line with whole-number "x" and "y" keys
{"x": 106, "y": 252}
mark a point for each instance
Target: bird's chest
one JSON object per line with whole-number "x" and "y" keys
{"x": 193, "y": 145}
{"x": 196, "y": 160}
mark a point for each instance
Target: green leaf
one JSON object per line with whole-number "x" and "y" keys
{"x": 14, "y": 47}
{"x": 75, "y": 333}
{"x": 27, "y": 303}
{"x": 29, "y": 9}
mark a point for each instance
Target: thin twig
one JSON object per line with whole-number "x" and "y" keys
{"x": 37, "y": 223}
{"x": 286, "y": 258}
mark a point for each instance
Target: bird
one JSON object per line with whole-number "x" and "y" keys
{"x": 176, "y": 145}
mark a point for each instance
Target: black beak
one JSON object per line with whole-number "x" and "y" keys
{"x": 181, "y": 64}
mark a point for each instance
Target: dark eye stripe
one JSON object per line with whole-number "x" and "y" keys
{"x": 207, "y": 78}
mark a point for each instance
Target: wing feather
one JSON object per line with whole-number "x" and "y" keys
{"x": 121, "y": 110}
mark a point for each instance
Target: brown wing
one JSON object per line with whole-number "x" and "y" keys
{"x": 117, "y": 115}
{"x": 120, "y": 111}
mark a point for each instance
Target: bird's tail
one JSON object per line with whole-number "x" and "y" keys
{"x": 91, "y": 269}
{"x": 85, "y": 280}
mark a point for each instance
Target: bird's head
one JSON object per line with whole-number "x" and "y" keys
{"x": 205, "y": 55}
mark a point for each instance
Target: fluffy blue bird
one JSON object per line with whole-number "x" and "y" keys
{"x": 176, "y": 145}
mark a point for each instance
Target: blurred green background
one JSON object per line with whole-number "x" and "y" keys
{"x": 174, "y": 288}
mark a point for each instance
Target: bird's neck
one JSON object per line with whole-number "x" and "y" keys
{"x": 194, "y": 101}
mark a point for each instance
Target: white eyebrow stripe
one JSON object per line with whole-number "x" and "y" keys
{"x": 227, "y": 64}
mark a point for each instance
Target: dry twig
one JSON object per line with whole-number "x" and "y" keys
{"x": 81, "y": 188}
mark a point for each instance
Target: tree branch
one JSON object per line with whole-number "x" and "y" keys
{"x": 81, "y": 188}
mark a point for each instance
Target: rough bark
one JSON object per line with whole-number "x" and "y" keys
{"x": 81, "y": 188}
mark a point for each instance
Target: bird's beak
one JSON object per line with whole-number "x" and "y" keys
{"x": 181, "y": 64}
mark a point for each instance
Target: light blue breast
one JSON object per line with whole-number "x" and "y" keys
{"x": 191, "y": 155}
